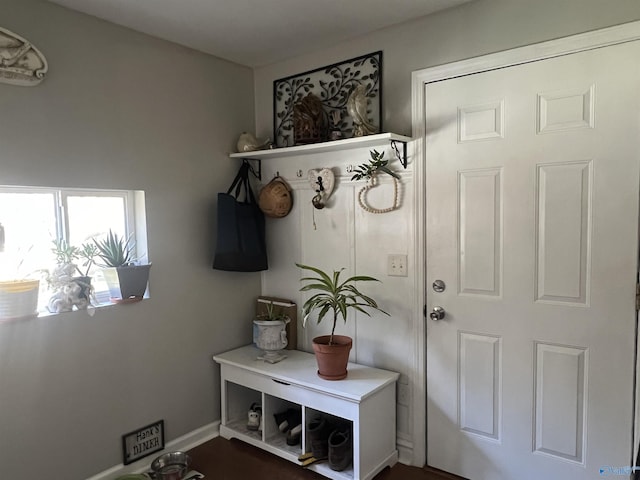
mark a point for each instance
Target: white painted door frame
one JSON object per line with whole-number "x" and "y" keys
{"x": 540, "y": 51}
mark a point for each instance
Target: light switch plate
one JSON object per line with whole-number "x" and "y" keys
{"x": 397, "y": 265}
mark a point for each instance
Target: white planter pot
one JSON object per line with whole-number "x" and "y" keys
{"x": 18, "y": 299}
{"x": 271, "y": 338}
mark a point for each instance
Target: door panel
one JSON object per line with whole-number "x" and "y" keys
{"x": 532, "y": 214}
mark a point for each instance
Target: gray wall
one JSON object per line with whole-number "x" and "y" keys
{"x": 120, "y": 109}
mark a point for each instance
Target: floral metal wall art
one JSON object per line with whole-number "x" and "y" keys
{"x": 332, "y": 85}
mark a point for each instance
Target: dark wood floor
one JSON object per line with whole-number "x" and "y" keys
{"x": 221, "y": 459}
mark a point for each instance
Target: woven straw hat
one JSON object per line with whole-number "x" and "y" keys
{"x": 275, "y": 199}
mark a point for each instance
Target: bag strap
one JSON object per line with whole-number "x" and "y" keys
{"x": 242, "y": 180}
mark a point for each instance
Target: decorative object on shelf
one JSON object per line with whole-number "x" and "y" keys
{"x": 241, "y": 238}
{"x": 275, "y": 198}
{"x": 370, "y": 172}
{"x": 337, "y": 297}
{"x": 358, "y": 108}
{"x": 247, "y": 142}
{"x": 331, "y": 85}
{"x": 271, "y": 334}
{"x": 71, "y": 286}
{"x": 127, "y": 280}
{"x": 20, "y": 62}
{"x": 310, "y": 123}
{"x": 334, "y": 132}
{"x": 322, "y": 181}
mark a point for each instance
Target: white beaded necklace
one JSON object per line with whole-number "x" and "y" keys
{"x": 372, "y": 183}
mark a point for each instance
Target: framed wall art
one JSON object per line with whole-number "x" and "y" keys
{"x": 332, "y": 85}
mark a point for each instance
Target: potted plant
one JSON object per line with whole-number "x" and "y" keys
{"x": 336, "y": 297}
{"x": 270, "y": 333}
{"x": 70, "y": 285}
{"x": 18, "y": 294}
{"x": 127, "y": 281}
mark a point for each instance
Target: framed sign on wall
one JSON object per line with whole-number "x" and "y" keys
{"x": 142, "y": 442}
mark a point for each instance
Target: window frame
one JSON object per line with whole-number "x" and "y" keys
{"x": 133, "y": 206}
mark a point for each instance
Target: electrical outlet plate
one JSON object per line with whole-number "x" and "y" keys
{"x": 397, "y": 265}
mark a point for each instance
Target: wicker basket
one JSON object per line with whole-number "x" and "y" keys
{"x": 18, "y": 299}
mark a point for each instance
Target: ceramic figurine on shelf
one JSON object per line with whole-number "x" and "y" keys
{"x": 247, "y": 142}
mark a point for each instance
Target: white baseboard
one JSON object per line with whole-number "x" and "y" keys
{"x": 203, "y": 434}
{"x": 183, "y": 443}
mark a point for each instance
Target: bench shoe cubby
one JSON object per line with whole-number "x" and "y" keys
{"x": 364, "y": 402}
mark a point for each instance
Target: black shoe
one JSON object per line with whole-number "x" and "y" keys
{"x": 254, "y": 417}
{"x": 319, "y": 431}
{"x": 294, "y": 435}
{"x": 340, "y": 449}
{"x": 281, "y": 421}
{"x": 288, "y": 419}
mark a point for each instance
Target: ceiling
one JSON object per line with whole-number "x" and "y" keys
{"x": 257, "y": 32}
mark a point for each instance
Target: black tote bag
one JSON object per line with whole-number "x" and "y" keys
{"x": 241, "y": 245}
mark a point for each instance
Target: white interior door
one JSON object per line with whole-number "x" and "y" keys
{"x": 532, "y": 224}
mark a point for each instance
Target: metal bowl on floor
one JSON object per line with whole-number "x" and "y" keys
{"x": 171, "y": 466}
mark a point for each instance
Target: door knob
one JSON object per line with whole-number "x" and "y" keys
{"x": 437, "y": 314}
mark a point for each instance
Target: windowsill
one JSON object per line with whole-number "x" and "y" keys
{"x": 90, "y": 311}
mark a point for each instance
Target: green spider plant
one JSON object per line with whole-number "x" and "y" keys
{"x": 335, "y": 296}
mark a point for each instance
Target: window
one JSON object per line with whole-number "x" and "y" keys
{"x": 34, "y": 217}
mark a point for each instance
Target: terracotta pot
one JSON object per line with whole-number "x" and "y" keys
{"x": 332, "y": 359}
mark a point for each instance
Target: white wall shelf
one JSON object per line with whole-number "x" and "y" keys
{"x": 366, "y": 398}
{"x": 333, "y": 146}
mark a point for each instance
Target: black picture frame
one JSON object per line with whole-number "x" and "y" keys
{"x": 142, "y": 442}
{"x": 332, "y": 84}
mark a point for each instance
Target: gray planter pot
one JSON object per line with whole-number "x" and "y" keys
{"x": 127, "y": 283}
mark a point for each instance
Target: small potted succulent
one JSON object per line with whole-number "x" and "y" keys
{"x": 270, "y": 333}
{"x": 70, "y": 285}
{"x": 335, "y": 296}
{"x": 127, "y": 280}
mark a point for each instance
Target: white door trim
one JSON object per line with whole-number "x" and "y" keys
{"x": 576, "y": 43}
